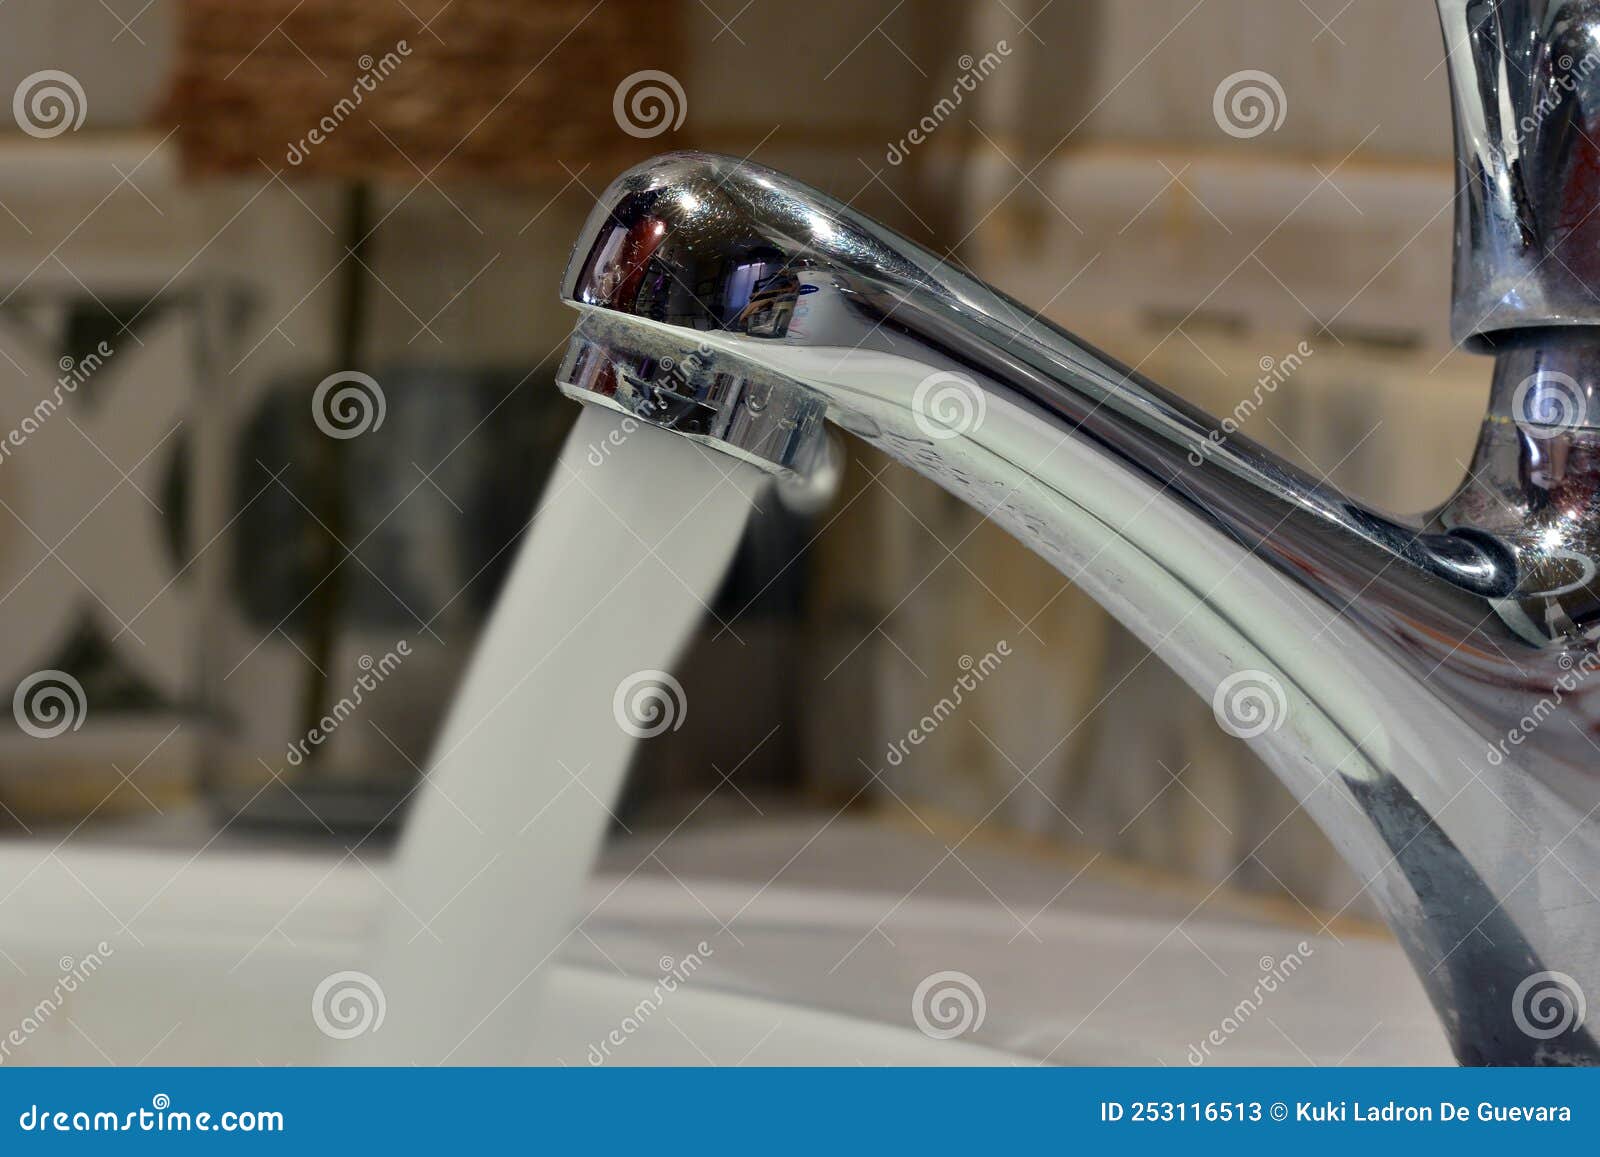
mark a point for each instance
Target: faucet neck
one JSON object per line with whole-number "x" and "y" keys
{"x": 1412, "y": 667}
{"x": 1525, "y": 80}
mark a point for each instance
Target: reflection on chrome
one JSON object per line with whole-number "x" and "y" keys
{"x": 1438, "y": 717}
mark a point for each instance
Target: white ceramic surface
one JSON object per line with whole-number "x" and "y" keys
{"x": 216, "y": 956}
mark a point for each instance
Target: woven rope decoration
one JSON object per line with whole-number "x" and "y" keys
{"x": 512, "y": 91}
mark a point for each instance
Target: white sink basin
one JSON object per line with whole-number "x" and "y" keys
{"x": 234, "y": 948}
{"x": 214, "y": 958}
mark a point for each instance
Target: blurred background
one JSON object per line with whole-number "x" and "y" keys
{"x": 218, "y": 215}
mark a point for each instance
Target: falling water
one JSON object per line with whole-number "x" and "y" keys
{"x": 634, "y": 535}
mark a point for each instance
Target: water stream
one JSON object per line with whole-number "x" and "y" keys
{"x": 635, "y": 532}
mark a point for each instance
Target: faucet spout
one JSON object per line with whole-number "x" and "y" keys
{"x": 1379, "y": 664}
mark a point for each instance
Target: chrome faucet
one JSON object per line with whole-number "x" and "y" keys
{"x": 1428, "y": 687}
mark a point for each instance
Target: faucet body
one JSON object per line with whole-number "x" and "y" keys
{"x": 1424, "y": 685}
